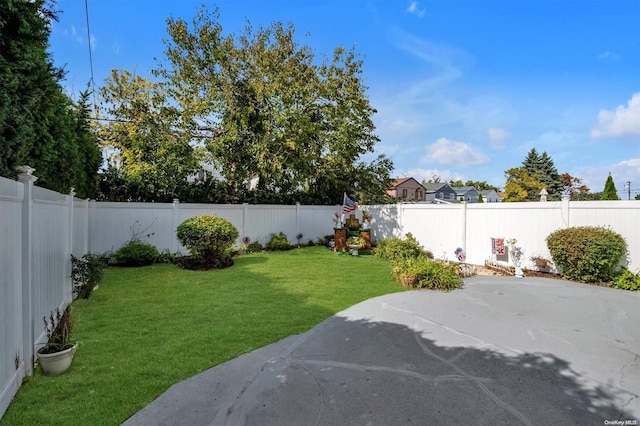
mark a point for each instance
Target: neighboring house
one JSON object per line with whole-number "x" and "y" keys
{"x": 490, "y": 196}
{"x": 440, "y": 192}
{"x": 407, "y": 189}
{"x": 466, "y": 193}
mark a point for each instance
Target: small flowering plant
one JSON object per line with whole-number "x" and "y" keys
{"x": 245, "y": 243}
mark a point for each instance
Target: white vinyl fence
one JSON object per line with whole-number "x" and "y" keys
{"x": 36, "y": 239}
{"x": 443, "y": 228}
{"x": 39, "y": 229}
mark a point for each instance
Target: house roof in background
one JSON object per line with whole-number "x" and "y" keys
{"x": 399, "y": 181}
{"x": 433, "y": 187}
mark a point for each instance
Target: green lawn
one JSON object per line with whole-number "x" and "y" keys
{"x": 147, "y": 328}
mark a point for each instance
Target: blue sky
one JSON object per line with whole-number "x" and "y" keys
{"x": 463, "y": 89}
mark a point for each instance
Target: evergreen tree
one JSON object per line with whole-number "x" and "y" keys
{"x": 39, "y": 124}
{"x": 610, "y": 192}
{"x": 543, "y": 170}
{"x": 550, "y": 177}
{"x": 480, "y": 199}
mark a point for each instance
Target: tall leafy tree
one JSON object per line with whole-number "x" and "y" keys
{"x": 149, "y": 142}
{"x": 541, "y": 166}
{"x": 610, "y": 192}
{"x": 573, "y": 185}
{"x": 39, "y": 124}
{"x": 521, "y": 184}
{"x": 273, "y": 113}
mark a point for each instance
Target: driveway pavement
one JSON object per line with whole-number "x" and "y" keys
{"x": 503, "y": 350}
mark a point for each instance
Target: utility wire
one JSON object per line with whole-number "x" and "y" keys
{"x": 91, "y": 81}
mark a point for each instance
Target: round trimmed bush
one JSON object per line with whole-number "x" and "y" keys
{"x": 587, "y": 253}
{"x": 210, "y": 240}
{"x": 136, "y": 253}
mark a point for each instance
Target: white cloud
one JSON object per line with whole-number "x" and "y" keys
{"x": 115, "y": 47}
{"x": 421, "y": 175}
{"x": 497, "y": 137}
{"x": 452, "y": 153}
{"x": 80, "y": 38}
{"x": 608, "y": 56}
{"x": 619, "y": 123}
{"x": 415, "y": 9}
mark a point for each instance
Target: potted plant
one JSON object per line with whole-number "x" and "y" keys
{"x": 353, "y": 224}
{"x": 541, "y": 262}
{"x": 56, "y": 355}
{"x": 355, "y": 243}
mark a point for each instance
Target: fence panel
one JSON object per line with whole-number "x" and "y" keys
{"x": 385, "y": 222}
{"x": 621, "y": 216}
{"x": 438, "y": 227}
{"x": 12, "y": 362}
{"x": 113, "y": 224}
{"x": 51, "y": 262}
{"x": 80, "y": 244}
{"x": 314, "y": 222}
{"x": 264, "y": 220}
{"x": 528, "y": 223}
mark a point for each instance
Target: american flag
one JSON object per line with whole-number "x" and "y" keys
{"x": 348, "y": 205}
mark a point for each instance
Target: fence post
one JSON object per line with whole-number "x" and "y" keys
{"x": 85, "y": 237}
{"x": 245, "y": 207}
{"x": 28, "y": 179}
{"x": 90, "y": 214}
{"x": 464, "y": 226}
{"x": 297, "y": 220}
{"x": 174, "y": 225}
{"x": 68, "y": 290}
{"x": 565, "y": 210}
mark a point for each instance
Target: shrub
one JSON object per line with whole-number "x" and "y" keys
{"x": 278, "y": 241}
{"x": 136, "y": 253}
{"x": 254, "y": 247}
{"x": 165, "y": 256}
{"x": 420, "y": 272}
{"x": 86, "y": 273}
{"x": 210, "y": 240}
{"x": 589, "y": 254}
{"x": 627, "y": 280}
{"x": 324, "y": 241}
{"x": 395, "y": 249}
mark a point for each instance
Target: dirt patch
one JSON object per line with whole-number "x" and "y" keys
{"x": 491, "y": 271}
